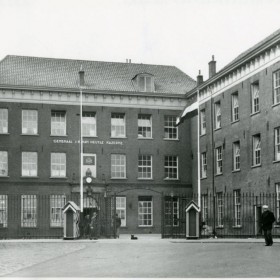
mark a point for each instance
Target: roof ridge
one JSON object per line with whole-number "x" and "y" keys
{"x": 83, "y": 60}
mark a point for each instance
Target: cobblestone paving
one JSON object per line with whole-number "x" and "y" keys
{"x": 15, "y": 256}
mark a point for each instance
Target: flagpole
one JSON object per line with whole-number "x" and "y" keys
{"x": 81, "y": 84}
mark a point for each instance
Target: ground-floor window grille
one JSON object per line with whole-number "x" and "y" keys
{"x": 204, "y": 204}
{"x": 28, "y": 211}
{"x": 145, "y": 211}
{"x": 277, "y": 202}
{"x": 171, "y": 208}
{"x": 121, "y": 209}
{"x": 3, "y": 211}
{"x": 56, "y": 204}
{"x": 220, "y": 208}
{"x": 237, "y": 208}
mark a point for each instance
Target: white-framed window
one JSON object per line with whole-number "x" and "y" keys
{"x": 28, "y": 211}
{"x": 89, "y": 164}
{"x": 29, "y": 122}
{"x": 58, "y": 164}
{"x": 145, "y": 167}
{"x": 121, "y": 209}
{"x": 203, "y": 165}
{"x": 118, "y": 125}
{"x": 256, "y": 149}
{"x": 3, "y": 211}
{"x": 171, "y": 167}
{"x": 237, "y": 208}
{"x": 170, "y": 128}
{"x": 220, "y": 209}
{"x": 89, "y": 124}
{"x": 145, "y": 211}
{"x": 219, "y": 160}
{"x": 29, "y": 165}
{"x": 171, "y": 202}
{"x": 146, "y": 83}
{"x": 255, "y": 97}
{"x": 58, "y": 123}
{"x": 218, "y": 115}
{"x": 204, "y": 210}
{"x": 276, "y": 87}
{"x": 235, "y": 107}
{"x": 3, "y": 163}
{"x": 277, "y": 143}
{"x": 236, "y": 156}
{"x": 118, "y": 166}
{"x": 3, "y": 120}
{"x": 202, "y": 122}
{"x": 144, "y": 126}
{"x": 57, "y": 202}
{"x": 277, "y": 188}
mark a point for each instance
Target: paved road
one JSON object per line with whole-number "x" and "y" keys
{"x": 140, "y": 258}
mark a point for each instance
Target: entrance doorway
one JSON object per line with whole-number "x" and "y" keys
{"x": 258, "y": 213}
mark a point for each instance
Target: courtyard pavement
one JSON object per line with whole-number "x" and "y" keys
{"x": 148, "y": 257}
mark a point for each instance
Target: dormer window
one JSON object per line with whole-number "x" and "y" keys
{"x": 145, "y": 82}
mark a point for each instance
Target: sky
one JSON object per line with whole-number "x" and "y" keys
{"x": 181, "y": 33}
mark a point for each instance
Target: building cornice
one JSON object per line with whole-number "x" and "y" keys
{"x": 109, "y": 99}
{"x": 259, "y": 58}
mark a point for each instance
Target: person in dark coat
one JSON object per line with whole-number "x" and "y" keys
{"x": 267, "y": 219}
{"x": 86, "y": 227}
{"x": 93, "y": 226}
{"x": 118, "y": 225}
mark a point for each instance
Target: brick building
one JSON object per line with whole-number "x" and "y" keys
{"x": 133, "y": 151}
{"x": 239, "y": 138}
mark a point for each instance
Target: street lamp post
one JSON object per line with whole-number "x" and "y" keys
{"x": 81, "y": 85}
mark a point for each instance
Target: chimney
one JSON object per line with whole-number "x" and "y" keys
{"x": 199, "y": 79}
{"x": 212, "y": 67}
{"x": 128, "y": 60}
{"x": 82, "y": 77}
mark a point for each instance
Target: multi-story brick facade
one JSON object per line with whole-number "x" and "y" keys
{"x": 129, "y": 136}
{"x": 239, "y": 120}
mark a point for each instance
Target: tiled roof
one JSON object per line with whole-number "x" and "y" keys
{"x": 63, "y": 73}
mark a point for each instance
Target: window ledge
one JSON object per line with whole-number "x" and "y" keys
{"x": 276, "y": 226}
{"x": 203, "y": 178}
{"x": 143, "y": 179}
{"x": 276, "y": 161}
{"x": 3, "y": 133}
{"x": 121, "y": 137}
{"x": 31, "y": 177}
{"x": 255, "y": 166}
{"x": 57, "y": 177}
{"x": 276, "y": 104}
{"x": 171, "y": 179}
{"x": 89, "y": 136}
{"x": 216, "y": 129}
{"x": 145, "y": 226}
{"x": 52, "y": 135}
{"x": 255, "y": 113}
{"x": 220, "y": 174}
{"x": 119, "y": 178}
{"x": 29, "y": 134}
{"x": 236, "y": 171}
{"x": 5, "y": 176}
{"x": 202, "y": 134}
{"x": 170, "y": 139}
{"x": 145, "y": 138}
{"x": 237, "y": 121}
{"x": 237, "y": 227}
